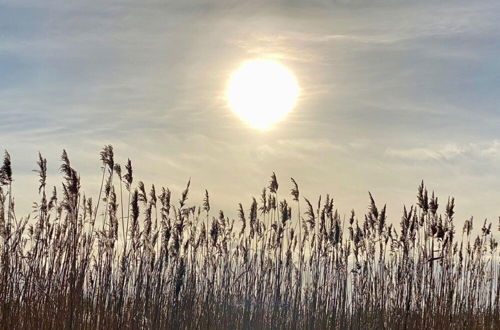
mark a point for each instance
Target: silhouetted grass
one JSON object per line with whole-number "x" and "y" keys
{"x": 138, "y": 258}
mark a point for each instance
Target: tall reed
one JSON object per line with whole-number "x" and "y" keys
{"x": 144, "y": 260}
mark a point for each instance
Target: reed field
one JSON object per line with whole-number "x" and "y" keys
{"x": 137, "y": 257}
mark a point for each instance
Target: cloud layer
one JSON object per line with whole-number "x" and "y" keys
{"x": 393, "y": 92}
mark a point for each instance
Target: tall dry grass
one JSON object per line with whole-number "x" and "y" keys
{"x": 140, "y": 258}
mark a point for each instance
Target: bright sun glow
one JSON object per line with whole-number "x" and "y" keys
{"x": 262, "y": 92}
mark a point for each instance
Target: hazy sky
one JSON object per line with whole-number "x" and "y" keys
{"x": 392, "y": 92}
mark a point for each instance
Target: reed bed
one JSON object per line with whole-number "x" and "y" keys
{"x": 139, "y": 257}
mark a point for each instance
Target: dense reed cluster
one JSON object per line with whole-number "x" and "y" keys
{"x": 137, "y": 257}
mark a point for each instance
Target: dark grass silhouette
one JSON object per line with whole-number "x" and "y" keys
{"x": 138, "y": 258}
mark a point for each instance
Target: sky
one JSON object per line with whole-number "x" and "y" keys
{"x": 392, "y": 92}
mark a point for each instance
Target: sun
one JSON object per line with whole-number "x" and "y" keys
{"x": 262, "y": 92}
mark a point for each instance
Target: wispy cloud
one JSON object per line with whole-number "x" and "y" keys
{"x": 484, "y": 151}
